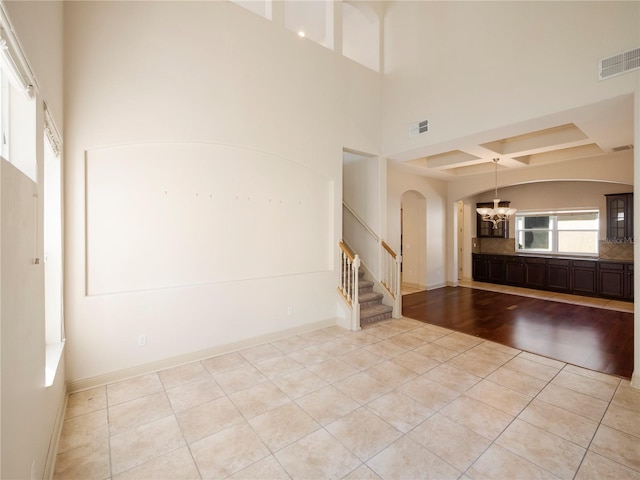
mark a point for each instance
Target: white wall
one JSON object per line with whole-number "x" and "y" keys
{"x": 399, "y": 180}
{"x": 361, "y": 192}
{"x": 470, "y": 67}
{"x": 141, "y": 75}
{"x": 30, "y": 414}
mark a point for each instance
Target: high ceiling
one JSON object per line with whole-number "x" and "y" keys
{"x": 596, "y": 129}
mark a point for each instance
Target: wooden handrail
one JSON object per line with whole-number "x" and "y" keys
{"x": 389, "y": 249}
{"x": 360, "y": 220}
{"x": 347, "y": 251}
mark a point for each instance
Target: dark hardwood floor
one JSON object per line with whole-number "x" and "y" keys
{"x": 589, "y": 337}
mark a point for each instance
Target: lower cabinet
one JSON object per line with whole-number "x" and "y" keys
{"x": 515, "y": 271}
{"x": 497, "y": 269}
{"x": 480, "y": 266}
{"x": 612, "y": 280}
{"x": 584, "y": 278}
{"x": 535, "y": 273}
{"x": 559, "y": 275}
{"x": 579, "y": 277}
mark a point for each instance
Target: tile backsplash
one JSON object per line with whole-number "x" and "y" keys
{"x": 507, "y": 246}
{"x": 616, "y": 251}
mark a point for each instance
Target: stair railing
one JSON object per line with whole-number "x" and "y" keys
{"x": 349, "y": 265}
{"x": 390, "y": 276}
{"x": 348, "y": 288}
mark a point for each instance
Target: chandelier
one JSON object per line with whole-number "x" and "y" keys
{"x": 496, "y": 214}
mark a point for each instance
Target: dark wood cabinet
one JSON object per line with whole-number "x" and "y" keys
{"x": 612, "y": 280}
{"x": 515, "y": 271}
{"x": 584, "y": 278}
{"x": 497, "y": 269}
{"x": 619, "y": 216}
{"x": 594, "y": 278}
{"x": 559, "y": 274}
{"x": 485, "y": 229}
{"x": 480, "y": 266}
{"x": 535, "y": 273}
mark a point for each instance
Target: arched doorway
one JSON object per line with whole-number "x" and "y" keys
{"x": 413, "y": 241}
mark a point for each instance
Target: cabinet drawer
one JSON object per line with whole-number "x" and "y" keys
{"x": 611, "y": 266}
{"x": 584, "y": 264}
{"x": 559, "y": 262}
{"x": 539, "y": 261}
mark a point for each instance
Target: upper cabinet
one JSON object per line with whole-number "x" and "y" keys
{"x": 485, "y": 229}
{"x": 620, "y": 216}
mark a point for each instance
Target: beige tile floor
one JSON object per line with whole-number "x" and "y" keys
{"x": 553, "y": 296}
{"x": 398, "y": 400}
{"x": 544, "y": 295}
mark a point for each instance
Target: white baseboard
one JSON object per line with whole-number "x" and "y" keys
{"x": 127, "y": 373}
{"x": 52, "y": 454}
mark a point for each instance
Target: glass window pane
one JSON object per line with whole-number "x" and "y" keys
{"x": 584, "y": 221}
{"x": 534, "y": 240}
{"x": 578, "y": 242}
{"x": 536, "y": 222}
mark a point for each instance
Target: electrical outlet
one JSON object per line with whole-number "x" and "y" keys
{"x": 142, "y": 340}
{"x": 289, "y": 311}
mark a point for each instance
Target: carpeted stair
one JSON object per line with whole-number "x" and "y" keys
{"x": 371, "y": 307}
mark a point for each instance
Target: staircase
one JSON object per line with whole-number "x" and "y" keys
{"x": 372, "y": 309}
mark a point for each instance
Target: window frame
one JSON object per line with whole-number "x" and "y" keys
{"x": 555, "y": 231}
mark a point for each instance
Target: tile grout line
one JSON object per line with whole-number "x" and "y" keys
{"x": 393, "y": 389}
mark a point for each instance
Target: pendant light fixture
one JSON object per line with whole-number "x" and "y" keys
{"x": 496, "y": 214}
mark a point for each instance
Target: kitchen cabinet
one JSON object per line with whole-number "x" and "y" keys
{"x": 584, "y": 277}
{"x": 594, "y": 278}
{"x": 612, "y": 280}
{"x": 535, "y": 273}
{"x": 559, "y": 274}
{"x": 515, "y": 270}
{"x": 619, "y": 216}
{"x": 485, "y": 229}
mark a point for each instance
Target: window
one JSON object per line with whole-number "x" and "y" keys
{"x": 361, "y": 34}
{"x": 572, "y": 232}
{"x": 17, "y": 105}
{"x": 53, "y": 315}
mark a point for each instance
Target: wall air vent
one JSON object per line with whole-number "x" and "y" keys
{"x": 618, "y": 64}
{"x": 419, "y": 127}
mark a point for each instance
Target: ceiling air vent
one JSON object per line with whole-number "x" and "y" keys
{"x": 419, "y": 127}
{"x": 618, "y": 64}
{"x": 622, "y": 148}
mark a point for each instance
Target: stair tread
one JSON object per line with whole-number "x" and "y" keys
{"x": 375, "y": 310}
{"x": 369, "y": 296}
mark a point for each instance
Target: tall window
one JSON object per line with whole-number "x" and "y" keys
{"x": 361, "y": 34}
{"x": 53, "y": 313}
{"x": 574, "y": 232}
{"x": 17, "y": 104}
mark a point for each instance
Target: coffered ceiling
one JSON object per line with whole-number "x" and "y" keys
{"x": 597, "y": 129}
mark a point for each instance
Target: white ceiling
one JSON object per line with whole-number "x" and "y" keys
{"x": 595, "y": 129}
